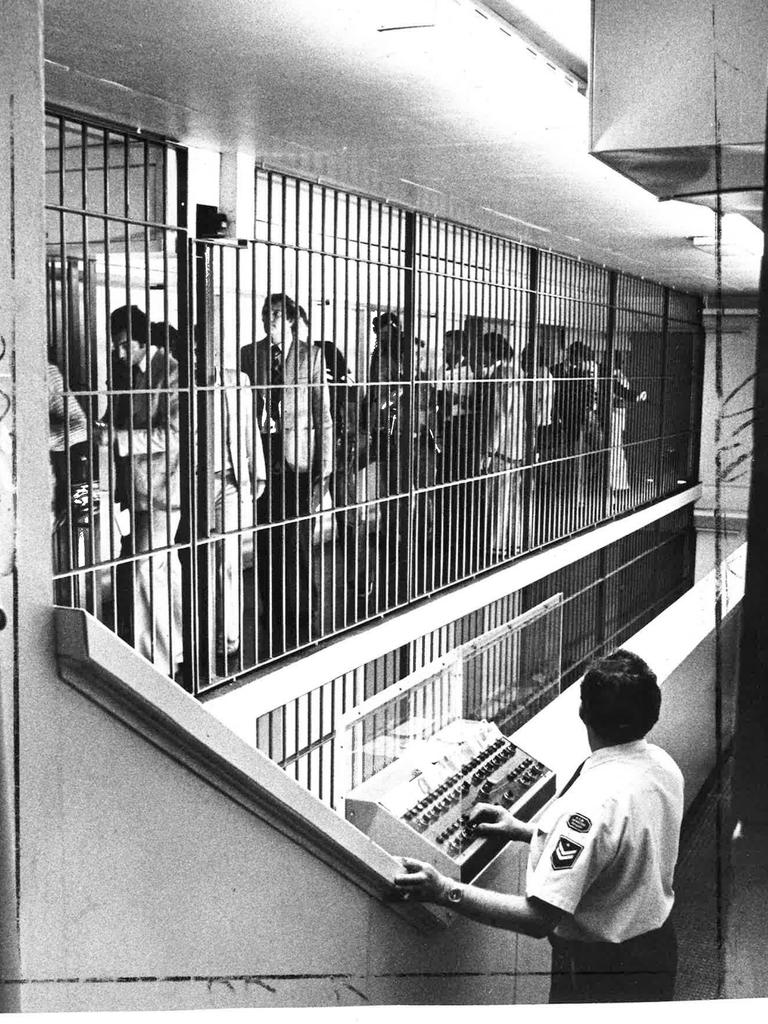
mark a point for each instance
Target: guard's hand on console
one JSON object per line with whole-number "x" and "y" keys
{"x": 420, "y": 881}
{"x": 491, "y": 821}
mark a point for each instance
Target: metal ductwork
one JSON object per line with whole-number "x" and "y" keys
{"x": 677, "y": 98}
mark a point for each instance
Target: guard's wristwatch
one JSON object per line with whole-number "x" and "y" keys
{"x": 455, "y": 894}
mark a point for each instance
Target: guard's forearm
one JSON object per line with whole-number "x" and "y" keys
{"x": 499, "y": 910}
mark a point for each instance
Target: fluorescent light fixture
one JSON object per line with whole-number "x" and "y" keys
{"x": 508, "y": 216}
{"x": 737, "y": 235}
{"x": 417, "y": 184}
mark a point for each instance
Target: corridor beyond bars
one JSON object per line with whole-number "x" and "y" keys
{"x": 353, "y": 409}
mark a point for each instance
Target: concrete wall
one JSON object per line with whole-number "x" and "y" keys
{"x": 26, "y": 637}
{"x": 732, "y": 410}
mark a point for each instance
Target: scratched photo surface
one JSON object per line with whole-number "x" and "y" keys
{"x": 370, "y": 375}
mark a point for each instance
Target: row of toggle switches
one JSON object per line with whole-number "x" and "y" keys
{"x": 481, "y": 774}
{"x": 450, "y": 792}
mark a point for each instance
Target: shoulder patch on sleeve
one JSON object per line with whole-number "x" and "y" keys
{"x": 565, "y": 854}
{"x": 579, "y": 822}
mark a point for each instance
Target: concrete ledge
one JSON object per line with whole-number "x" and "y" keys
{"x": 242, "y": 702}
{"x": 106, "y": 670}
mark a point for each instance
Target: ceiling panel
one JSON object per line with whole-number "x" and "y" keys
{"x": 448, "y": 111}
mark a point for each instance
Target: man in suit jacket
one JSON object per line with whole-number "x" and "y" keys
{"x": 293, "y": 412}
{"x": 146, "y": 436}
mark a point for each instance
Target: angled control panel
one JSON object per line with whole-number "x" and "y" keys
{"x": 419, "y": 806}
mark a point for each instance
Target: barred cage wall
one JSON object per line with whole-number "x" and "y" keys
{"x": 607, "y": 597}
{"x": 115, "y": 241}
{"x": 257, "y": 446}
{"x": 490, "y": 678}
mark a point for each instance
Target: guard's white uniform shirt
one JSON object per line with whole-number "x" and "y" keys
{"x": 605, "y": 851}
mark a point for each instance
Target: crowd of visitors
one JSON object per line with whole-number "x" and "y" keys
{"x": 414, "y": 475}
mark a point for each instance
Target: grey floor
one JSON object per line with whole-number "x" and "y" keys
{"x": 721, "y": 906}
{"x": 700, "y": 897}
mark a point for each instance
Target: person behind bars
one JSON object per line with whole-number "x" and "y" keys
{"x": 145, "y": 432}
{"x": 293, "y": 413}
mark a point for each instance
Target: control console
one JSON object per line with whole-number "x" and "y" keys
{"x": 419, "y": 805}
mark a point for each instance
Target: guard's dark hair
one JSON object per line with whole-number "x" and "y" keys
{"x": 620, "y": 698}
{"x": 279, "y": 300}
{"x": 131, "y": 319}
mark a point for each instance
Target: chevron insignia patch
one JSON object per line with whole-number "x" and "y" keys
{"x": 565, "y": 854}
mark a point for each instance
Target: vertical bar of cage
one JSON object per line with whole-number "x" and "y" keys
{"x": 558, "y": 325}
{"x": 280, "y": 455}
{"x": 576, "y": 331}
{"x": 315, "y": 584}
{"x": 559, "y": 315}
{"x": 543, "y": 329}
{"x": 317, "y": 254}
{"x": 68, "y": 330}
{"x": 444, "y": 475}
{"x": 360, "y": 513}
{"x": 407, "y": 247}
{"x": 91, "y": 557}
{"x": 112, "y": 398}
{"x": 459, "y": 394}
{"x": 187, "y": 415}
{"x": 256, "y": 589}
{"x": 468, "y": 455}
{"x": 435, "y": 421}
{"x": 134, "y": 556}
{"x": 530, "y": 498}
{"x": 240, "y": 397}
{"x": 302, "y": 588}
{"x": 202, "y": 405}
{"x": 662, "y": 421}
{"x": 481, "y": 475}
{"x": 166, "y": 539}
{"x": 418, "y": 560}
{"x": 495, "y": 527}
{"x": 459, "y": 490}
{"x": 606, "y": 414}
{"x": 219, "y": 526}
{"x": 493, "y": 394}
{"x": 377, "y": 573}
{"x": 65, "y": 331}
